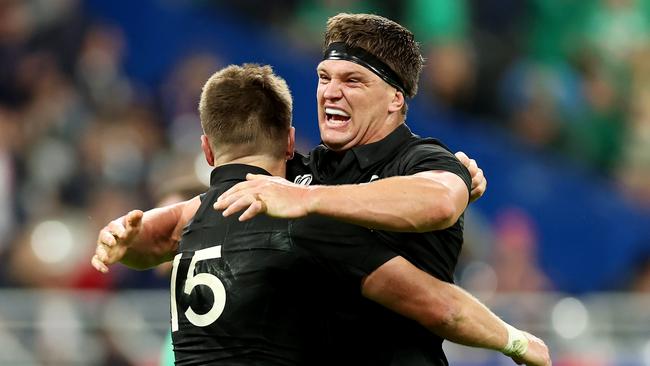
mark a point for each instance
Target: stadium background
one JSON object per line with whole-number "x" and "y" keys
{"x": 551, "y": 97}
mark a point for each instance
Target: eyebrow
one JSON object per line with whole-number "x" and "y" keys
{"x": 346, "y": 74}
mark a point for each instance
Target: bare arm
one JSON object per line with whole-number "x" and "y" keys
{"x": 143, "y": 240}
{"x": 446, "y": 310}
{"x": 421, "y": 202}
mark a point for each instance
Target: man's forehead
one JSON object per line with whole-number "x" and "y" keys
{"x": 342, "y": 67}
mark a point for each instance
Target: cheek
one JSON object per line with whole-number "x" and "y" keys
{"x": 320, "y": 90}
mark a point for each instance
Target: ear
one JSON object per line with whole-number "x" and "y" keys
{"x": 291, "y": 144}
{"x": 397, "y": 103}
{"x": 207, "y": 150}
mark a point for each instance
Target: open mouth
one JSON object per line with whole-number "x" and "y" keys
{"x": 336, "y": 117}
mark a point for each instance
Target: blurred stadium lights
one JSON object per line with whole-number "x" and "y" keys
{"x": 646, "y": 353}
{"x": 88, "y": 327}
{"x": 52, "y": 242}
{"x": 570, "y": 318}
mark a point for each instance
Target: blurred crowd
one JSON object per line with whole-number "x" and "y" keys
{"x": 569, "y": 77}
{"x": 81, "y": 142}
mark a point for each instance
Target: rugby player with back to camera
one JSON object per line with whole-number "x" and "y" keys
{"x": 271, "y": 298}
{"x": 371, "y": 83}
{"x": 418, "y": 190}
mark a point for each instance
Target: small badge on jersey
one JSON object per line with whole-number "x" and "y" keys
{"x": 303, "y": 180}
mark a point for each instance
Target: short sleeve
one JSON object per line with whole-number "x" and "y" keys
{"x": 430, "y": 155}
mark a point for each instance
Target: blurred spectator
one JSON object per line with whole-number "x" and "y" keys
{"x": 311, "y": 16}
{"x": 98, "y": 69}
{"x": 179, "y": 95}
{"x": 595, "y": 135}
{"x": 634, "y": 170}
{"x": 641, "y": 275}
{"x": 81, "y": 142}
{"x": 442, "y": 27}
{"x": 514, "y": 254}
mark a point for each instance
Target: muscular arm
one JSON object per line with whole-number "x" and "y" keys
{"x": 421, "y": 202}
{"x": 441, "y": 307}
{"x": 143, "y": 240}
{"x": 158, "y": 239}
{"x": 425, "y": 201}
{"x": 444, "y": 309}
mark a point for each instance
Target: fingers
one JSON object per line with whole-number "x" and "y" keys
{"x": 116, "y": 229}
{"x": 234, "y": 194}
{"x": 470, "y": 164}
{"x": 251, "y": 203}
{"x": 98, "y": 264}
{"x": 225, "y": 202}
{"x": 251, "y": 176}
{"x": 239, "y": 187}
{"x": 463, "y": 158}
{"x": 241, "y": 203}
{"x": 477, "y": 179}
{"x": 472, "y": 167}
{"x": 133, "y": 220}
{"x": 479, "y": 186}
{"x": 255, "y": 208}
{"x": 106, "y": 238}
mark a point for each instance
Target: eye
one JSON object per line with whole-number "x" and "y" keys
{"x": 323, "y": 78}
{"x": 353, "y": 81}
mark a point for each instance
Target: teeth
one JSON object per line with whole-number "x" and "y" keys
{"x": 337, "y": 112}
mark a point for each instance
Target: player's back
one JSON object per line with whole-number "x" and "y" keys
{"x": 234, "y": 298}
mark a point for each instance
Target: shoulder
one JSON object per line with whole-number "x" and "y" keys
{"x": 428, "y": 151}
{"x": 298, "y": 165}
{"x": 426, "y": 145}
{"x": 429, "y": 154}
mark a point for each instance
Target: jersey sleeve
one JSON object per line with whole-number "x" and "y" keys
{"x": 429, "y": 155}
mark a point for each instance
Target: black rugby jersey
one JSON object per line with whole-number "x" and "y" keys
{"x": 400, "y": 153}
{"x": 253, "y": 292}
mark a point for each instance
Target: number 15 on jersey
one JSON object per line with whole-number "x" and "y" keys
{"x": 191, "y": 281}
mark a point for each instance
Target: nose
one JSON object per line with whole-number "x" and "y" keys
{"x": 332, "y": 90}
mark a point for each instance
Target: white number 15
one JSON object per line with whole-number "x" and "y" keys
{"x": 191, "y": 281}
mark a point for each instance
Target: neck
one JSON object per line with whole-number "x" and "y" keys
{"x": 388, "y": 125}
{"x": 273, "y": 165}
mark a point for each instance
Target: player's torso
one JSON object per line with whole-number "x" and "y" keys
{"x": 402, "y": 341}
{"x": 234, "y": 298}
{"x": 435, "y": 252}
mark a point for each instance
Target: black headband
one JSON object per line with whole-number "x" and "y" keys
{"x": 340, "y": 51}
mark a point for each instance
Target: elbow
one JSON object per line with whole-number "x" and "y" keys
{"x": 442, "y": 214}
{"x": 443, "y": 320}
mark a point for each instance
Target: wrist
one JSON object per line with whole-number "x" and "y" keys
{"x": 312, "y": 199}
{"x": 517, "y": 342}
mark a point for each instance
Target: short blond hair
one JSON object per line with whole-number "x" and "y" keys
{"x": 247, "y": 106}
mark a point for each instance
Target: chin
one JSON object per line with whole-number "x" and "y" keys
{"x": 336, "y": 145}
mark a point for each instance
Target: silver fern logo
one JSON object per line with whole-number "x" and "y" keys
{"x": 303, "y": 180}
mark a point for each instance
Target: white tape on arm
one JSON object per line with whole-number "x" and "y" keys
{"x": 517, "y": 343}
